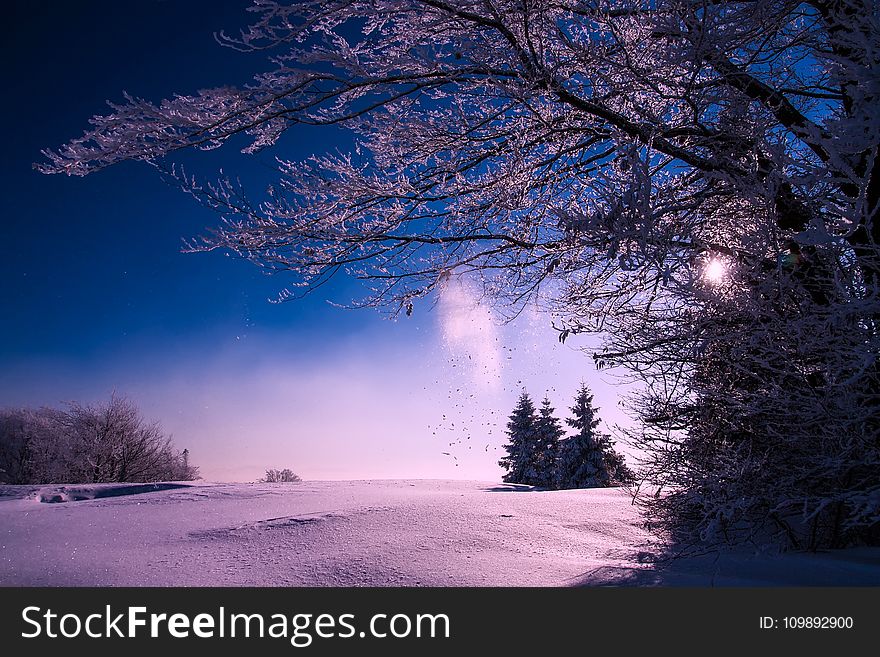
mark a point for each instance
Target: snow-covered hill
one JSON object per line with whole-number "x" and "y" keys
{"x": 371, "y": 533}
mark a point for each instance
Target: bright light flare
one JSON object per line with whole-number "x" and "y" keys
{"x": 715, "y": 271}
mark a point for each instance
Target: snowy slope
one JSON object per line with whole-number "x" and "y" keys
{"x": 353, "y": 533}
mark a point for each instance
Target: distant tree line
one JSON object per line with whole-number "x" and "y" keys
{"x": 539, "y": 453}
{"x": 103, "y": 443}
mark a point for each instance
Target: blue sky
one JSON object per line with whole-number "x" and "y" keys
{"x": 97, "y": 295}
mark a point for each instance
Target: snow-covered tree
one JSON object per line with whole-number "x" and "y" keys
{"x": 770, "y": 433}
{"x": 100, "y": 443}
{"x": 581, "y": 461}
{"x": 523, "y": 447}
{"x": 619, "y": 472}
{"x": 32, "y": 446}
{"x": 628, "y": 152}
{"x": 549, "y": 432}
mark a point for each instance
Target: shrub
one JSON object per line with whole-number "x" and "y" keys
{"x": 274, "y": 476}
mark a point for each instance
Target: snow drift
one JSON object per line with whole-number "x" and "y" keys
{"x": 364, "y": 533}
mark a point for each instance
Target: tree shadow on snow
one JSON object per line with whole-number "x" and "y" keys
{"x": 62, "y": 494}
{"x": 513, "y": 488}
{"x": 741, "y": 567}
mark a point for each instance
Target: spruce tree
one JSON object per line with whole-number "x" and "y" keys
{"x": 581, "y": 463}
{"x": 618, "y": 471}
{"x": 550, "y": 432}
{"x": 588, "y": 459}
{"x": 521, "y": 459}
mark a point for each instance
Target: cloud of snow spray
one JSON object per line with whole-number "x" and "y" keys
{"x": 470, "y": 332}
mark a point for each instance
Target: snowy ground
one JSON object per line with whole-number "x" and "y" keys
{"x": 353, "y": 533}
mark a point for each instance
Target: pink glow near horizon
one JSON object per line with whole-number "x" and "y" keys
{"x": 408, "y": 400}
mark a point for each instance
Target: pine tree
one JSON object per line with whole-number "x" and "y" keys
{"x": 582, "y": 463}
{"x": 588, "y": 459}
{"x": 550, "y": 432}
{"x": 521, "y": 460}
{"x": 619, "y": 472}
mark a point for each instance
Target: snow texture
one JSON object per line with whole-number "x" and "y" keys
{"x": 363, "y": 533}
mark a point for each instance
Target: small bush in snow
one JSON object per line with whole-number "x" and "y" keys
{"x": 274, "y": 476}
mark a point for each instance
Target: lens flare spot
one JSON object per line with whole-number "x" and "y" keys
{"x": 715, "y": 271}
